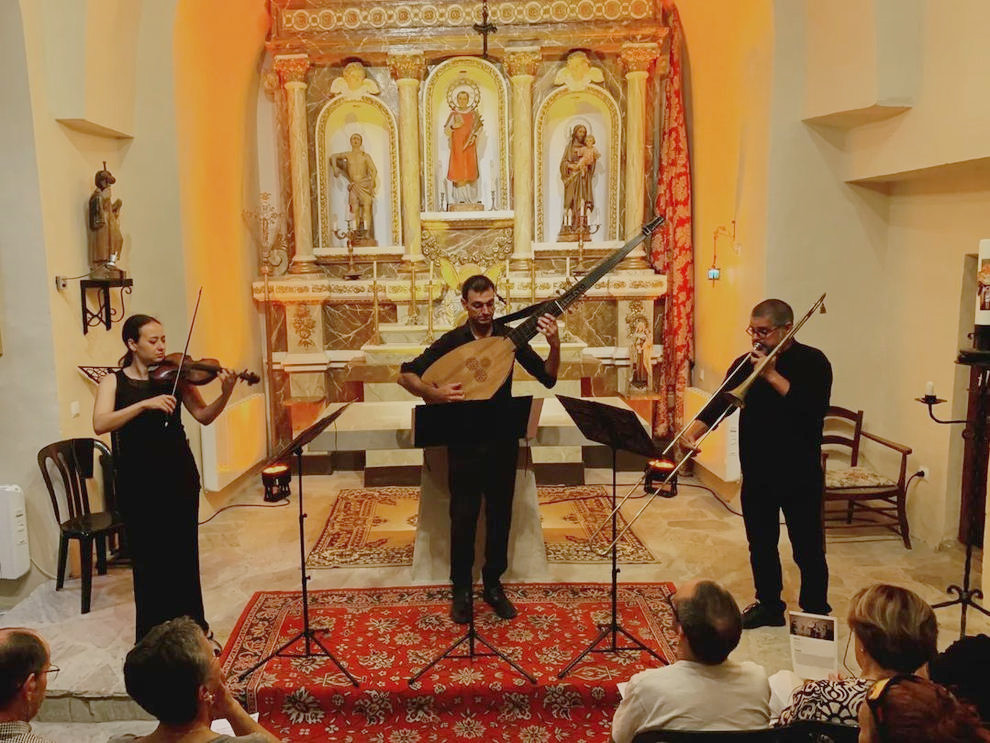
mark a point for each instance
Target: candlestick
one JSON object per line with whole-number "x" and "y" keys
{"x": 377, "y": 338}
{"x": 429, "y": 307}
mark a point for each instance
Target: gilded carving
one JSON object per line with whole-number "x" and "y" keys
{"x": 459, "y": 14}
{"x": 577, "y": 73}
{"x": 303, "y": 324}
{"x": 406, "y": 65}
{"x": 638, "y": 57}
{"x": 522, "y": 61}
{"x": 354, "y": 82}
{"x": 292, "y": 68}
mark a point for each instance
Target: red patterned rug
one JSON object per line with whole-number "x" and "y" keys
{"x": 385, "y": 635}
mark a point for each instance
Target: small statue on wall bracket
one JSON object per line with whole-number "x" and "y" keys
{"x": 359, "y": 169}
{"x": 103, "y": 228}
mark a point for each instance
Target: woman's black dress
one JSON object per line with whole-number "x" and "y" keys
{"x": 158, "y": 497}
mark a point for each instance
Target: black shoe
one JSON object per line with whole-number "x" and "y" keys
{"x": 496, "y": 598}
{"x": 759, "y": 615}
{"x": 460, "y": 607}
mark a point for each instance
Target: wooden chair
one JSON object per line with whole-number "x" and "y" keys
{"x": 73, "y": 462}
{"x": 871, "y": 498}
{"x": 812, "y": 731}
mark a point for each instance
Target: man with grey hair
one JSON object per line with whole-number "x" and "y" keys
{"x": 25, "y": 665}
{"x": 780, "y": 451}
{"x": 703, "y": 689}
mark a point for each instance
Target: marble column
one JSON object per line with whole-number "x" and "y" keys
{"x": 292, "y": 69}
{"x": 521, "y": 64}
{"x": 407, "y": 68}
{"x": 636, "y": 59}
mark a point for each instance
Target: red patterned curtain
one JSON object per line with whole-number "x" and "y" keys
{"x": 671, "y": 250}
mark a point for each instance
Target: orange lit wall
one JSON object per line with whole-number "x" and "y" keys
{"x": 218, "y": 47}
{"x": 729, "y": 73}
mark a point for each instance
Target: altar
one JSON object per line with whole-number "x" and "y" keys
{"x": 388, "y": 425}
{"x": 414, "y": 153}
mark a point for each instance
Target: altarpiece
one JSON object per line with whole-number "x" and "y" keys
{"x": 406, "y": 152}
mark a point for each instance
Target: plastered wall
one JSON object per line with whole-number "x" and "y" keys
{"x": 181, "y": 214}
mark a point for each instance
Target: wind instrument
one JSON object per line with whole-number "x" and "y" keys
{"x": 736, "y": 399}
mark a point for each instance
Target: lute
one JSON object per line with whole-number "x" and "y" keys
{"x": 482, "y": 366}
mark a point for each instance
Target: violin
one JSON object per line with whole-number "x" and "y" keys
{"x": 192, "y": 371}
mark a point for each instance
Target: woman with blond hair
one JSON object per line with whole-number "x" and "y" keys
{"x": 893, "y": 632}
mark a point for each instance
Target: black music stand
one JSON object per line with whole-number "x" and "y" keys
{"x": 616, "y": 428}
{"x": 472, "y": 423}
{"x": 308, "y": 634}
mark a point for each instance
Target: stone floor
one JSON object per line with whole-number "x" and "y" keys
{"x": 248, "y": 549}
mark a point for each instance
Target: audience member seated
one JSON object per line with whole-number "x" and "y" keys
{"x": 893, "y": 630}
{"x": 174, "y": 675}
{"x": 911, "y": 709}
{"x": 702, "y": 690}
{"x": 25, "y": 663}
{"x": 962, "y": 668}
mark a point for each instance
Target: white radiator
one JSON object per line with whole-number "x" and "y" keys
{"x": 234, "y": 442}
{"x": 720, "y": 451}
{"x": 15, "y": 559}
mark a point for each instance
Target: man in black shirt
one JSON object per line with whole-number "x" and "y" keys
{"x": 477, "y": 472}
{"x": 780, "y": 447}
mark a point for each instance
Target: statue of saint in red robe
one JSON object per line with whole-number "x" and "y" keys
{"x": 462, "y": 128}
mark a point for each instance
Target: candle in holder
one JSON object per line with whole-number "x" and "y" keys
{"x": 929, "y": 389}
{"x": 374, "y": 270}
{"x": 567, "y": 267}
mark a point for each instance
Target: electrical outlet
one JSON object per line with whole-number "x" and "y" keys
{"x": 925, "y": 471}
{"x": 74, "y": 408}
{"x": 61, "y": 283}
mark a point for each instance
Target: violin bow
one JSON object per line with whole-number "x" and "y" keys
{"x": 185, "y": 350}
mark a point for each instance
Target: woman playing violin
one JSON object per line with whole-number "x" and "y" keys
{"x": 157, "y": 480}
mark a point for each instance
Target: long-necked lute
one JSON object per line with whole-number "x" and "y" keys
{"x": 481, "y": 366}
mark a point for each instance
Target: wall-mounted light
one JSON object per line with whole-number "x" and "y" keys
{"x": 729, "y": 231}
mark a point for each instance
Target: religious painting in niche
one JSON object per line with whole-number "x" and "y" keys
{"x": 465, "y": 137}
{"x": 463, "y": 127}
{"x": 358, "y": 169}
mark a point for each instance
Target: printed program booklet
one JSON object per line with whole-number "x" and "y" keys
{"x": 814, "y": 645}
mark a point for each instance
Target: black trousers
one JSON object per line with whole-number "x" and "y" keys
{"x": 763, "y": 499}
{"x": 485, "y": 473}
